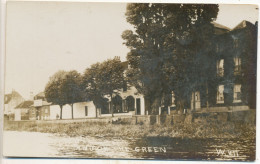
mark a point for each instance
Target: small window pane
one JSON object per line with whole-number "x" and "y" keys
{"x": 237, "y": 93}
{"x": 220, "y": 94}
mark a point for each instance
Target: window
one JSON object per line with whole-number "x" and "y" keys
{"x": 220, "y": 94}
{"x": 197, "y": 96}
{"x": 237, "y": 93}
{"x": 237, "y": 67}
{"x": 86, "y": 110}
{"x": 46, "y": 111}
{"x": 220, "y": 67}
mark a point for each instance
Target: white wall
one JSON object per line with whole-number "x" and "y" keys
{"x": 78, "y": 110}
{"x": 142, "y": 106}
{"x": 6, "y": 109}
{"x": 17, "y": 114}
{"x": 54, "y": 110}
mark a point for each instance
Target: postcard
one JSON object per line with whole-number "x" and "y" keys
{"x": 149, "y": 81}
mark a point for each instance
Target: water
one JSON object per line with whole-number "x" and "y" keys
{"x": 35, "y": 144}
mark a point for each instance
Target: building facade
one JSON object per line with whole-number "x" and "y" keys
{"x": 40, "y": 110}
{"x": 233, "y": 86}
{"x": 22, "y": 111}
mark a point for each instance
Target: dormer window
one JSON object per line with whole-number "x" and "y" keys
{"x": 220, "y": 67}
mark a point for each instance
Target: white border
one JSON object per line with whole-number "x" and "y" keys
{"x": 79, "y": 161}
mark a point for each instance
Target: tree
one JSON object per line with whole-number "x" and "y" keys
{"x": 104, "y": 79}
{"x": 166, "y": 48}
{"x": 92, "y": 91}
{"x": 71, "y": 88}
{"x": 53, "y": 92}
{"x": 64, "y": 88}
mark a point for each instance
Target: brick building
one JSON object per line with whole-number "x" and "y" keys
{"x": 233, "y": 86}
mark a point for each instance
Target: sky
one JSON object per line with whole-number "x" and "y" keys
{"x": 44, "y": 37}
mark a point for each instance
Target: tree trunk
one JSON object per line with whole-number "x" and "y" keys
{"x": 96, "y": 112}
{"x": 61, "y": 111}
{"x": 112, "y": 110}
{"x": 207, "y": 91}
{"x": 72, "y": 111}
{"x": 194, "y": 104}
{"x": 180, "y": 106}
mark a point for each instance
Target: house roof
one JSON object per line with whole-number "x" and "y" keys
{"x": 25, "y": 104}
{"x": 216, "y": 25}
{"x": 41, "y": 94}
{"x": 242, "y": 25}
{"x": 45, "y": 103}
{"x": 8, "y": 97}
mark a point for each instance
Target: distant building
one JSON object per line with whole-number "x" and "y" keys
{"x": 10, "y": 102}
{"x": 22, "y": 111}
{"x": 40, "y": 109}
{"x": 43, "y": 110}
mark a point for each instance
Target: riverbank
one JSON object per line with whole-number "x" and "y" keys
{"x": 193, "y": 130}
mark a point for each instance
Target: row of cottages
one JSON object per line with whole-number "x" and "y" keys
{"x": 126, "y": 103}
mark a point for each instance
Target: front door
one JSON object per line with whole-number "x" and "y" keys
{"x": 196, "y": 103}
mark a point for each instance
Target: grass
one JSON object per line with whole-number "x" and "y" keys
{"x": 194, "y": 130}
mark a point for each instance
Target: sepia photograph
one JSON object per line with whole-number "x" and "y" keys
{"x": 114, "y": 80}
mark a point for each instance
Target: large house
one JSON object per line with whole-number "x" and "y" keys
{"x": 233, "y": 86}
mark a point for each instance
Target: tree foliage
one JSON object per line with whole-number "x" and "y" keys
{"x": 103, "y": 80}
{"x": 64, "y": 88}
{"x": 53, "y": 91}
{"x": 167, "y": 48}
{"x": 72, "y": 88}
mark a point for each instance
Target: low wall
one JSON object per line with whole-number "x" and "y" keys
{"x": 189, "y": 118}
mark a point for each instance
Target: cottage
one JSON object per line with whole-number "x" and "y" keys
{"x": 22, "y": 111}
{"x": 80, "y": 110}
{"x": 40, "y": 109}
